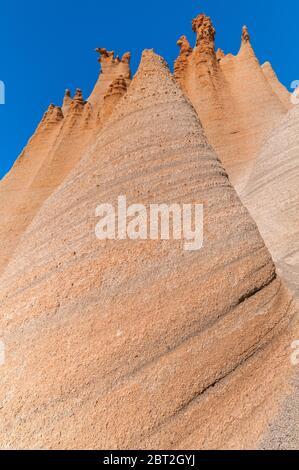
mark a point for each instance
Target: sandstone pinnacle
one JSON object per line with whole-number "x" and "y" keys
{"x": 245, "y": 34}
{"x": 52, "y": 152}
{"x": 204, "y": 29}
{"x": 151, "y": 338}
{"x": 125, "y": 343}
{"x": 67, "y": 100}
{"x": 232, "y": 96}
{"x": 279, "y": 89}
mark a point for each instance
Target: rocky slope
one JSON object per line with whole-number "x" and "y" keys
{"x": 272, "y": 196}
{"x": 131, "y": 344}
{"x": 276, "y": 86}
{"x": 237, "y": 101}
{"x": 57, "y": 145}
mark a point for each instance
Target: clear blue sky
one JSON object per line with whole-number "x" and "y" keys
{"x": 47, "y": 46}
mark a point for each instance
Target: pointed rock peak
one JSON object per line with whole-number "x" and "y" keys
{"x": 49, "y": 111}
{"x": 185, "y": 48}
{"x": 246, "y": 47}
{"x": 57, "y": 113}
{"x": 205, "y": 32}
{"x": 245, "y": 35}
{"x": 151, "y": 69}
{"x": 267, "y": 68}
{"x": 151, "y": 61}
{"x": 152, "y": 86}
{"x": 105, "y": 56}
{"x": 108, "y": 56}
{"x": 220, "y": 54}
{"x": 181, "y": 62}
{"x": 53, "y": 114}
{"x": 266, "y": 65}
{"x": 111, "y": 68}
{"x": 126, "y": 58}
{"x": 278, "y": 88}
{"x": 109, "y": 62}
{"x": 78, "y": 98}
{"x": 77, "y": 103}
{"x": 67, "y": 100}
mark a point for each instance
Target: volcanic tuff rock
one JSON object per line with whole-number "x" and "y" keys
{"x": 276, "y": 86}
{"x": 14, "y": 210}
{"x": 112, "y": 68}
{"x": 57, "y": 145}
{"x": 272, "y": 196}
{"x": 125, "y": 344}
{"x": 67, "y": 101}
{"x": 237, "y": 101}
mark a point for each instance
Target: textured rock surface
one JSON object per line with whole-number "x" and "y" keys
{"x": 276, "y": 86}
{"x": 237, "y": 101}
{"x": 55, "y": 148}
{"x": 125, "y": 344}
{"x": 112, "y": 68}
{"x": 283, "y": 432}
{"x": 15, "y": 213}
{"x": 273, "y": 199}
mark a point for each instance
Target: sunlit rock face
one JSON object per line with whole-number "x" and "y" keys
{"x": 276, "y": 86}
{"x": 273, "y": 199}
{"x": 237, "y": 101}
{"x": 55, "y": 148}
{"x": 141, "y": 344}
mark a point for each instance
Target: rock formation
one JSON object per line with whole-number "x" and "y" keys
{"x": 112, "y": 68}
{"x": 55, "y": 148}
{"x": 272, "y": 196}
{"x": 15, "y": 213}
{"x": 67, "y": 101}
{"x": 276, "y": 86}
{"x": 132, "y": 344}
{"x": 237, "y": 101}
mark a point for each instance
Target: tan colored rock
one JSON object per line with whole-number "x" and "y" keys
{"x": 111, "y": 68}
{"x": 115, "y": 91}
{"x": 54, "y": 150}
{"x": 182, "y": 60}
{"x": 140, "y": 344}
{"x": 272, "y": 196}
{"x": 67, "y": 101}
{"x": 15, "y": 214}
{"x": 237, "y": 105}
{"x": 276, "y": 86}
{"x": 220, "y": 54}
{"x": 245, "y": 35}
